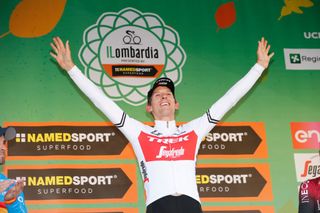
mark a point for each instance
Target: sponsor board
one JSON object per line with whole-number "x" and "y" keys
{"x": 305, "y": 135}
{"x": 47, "y": 184}
{"x": 235, "y": 140}
{"x": 238, "y": 209}
{"x": 85, "y": 210}
{"x": 102, "y": 140}
{"x": 307, "y": 166}
{"x": 302, "y": 59}
{"x": 68, "y": 140}
{"x": 241, "y": 182}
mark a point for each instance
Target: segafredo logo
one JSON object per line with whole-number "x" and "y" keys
{"x": 307, "y": 166}
{"x": 123, "y": 53}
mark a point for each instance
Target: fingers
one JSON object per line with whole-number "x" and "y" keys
{"x": 54, "y": 48}
{"x": 5, "y": 184}
{"x": 68, "y": 48}
{"x": 272, "y": 54}
{"x": 58, "y": 45}
{"x": 268, "y": 48}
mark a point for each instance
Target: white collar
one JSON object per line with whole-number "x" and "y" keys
{"x": 165, "y": 127}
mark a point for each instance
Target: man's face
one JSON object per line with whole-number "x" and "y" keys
{"x": 163, "y": 104}
{"x": 2, "y": 150}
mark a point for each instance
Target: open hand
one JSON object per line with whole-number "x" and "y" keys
{"x": 15, "y": 190}
{"x": 262, "y": 53}
{"x": 5, "y": 184}
{"x": 62, "y": 54}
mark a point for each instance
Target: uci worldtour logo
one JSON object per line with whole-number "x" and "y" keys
{"x": 311, "y": 35}
{"x": 125, "y": 52}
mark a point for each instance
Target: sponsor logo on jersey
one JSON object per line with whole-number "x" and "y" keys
{"x": 180, "y": 147}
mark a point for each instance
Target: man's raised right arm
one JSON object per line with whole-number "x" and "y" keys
{"x": 62, "y": 54}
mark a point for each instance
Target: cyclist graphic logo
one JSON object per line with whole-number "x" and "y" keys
{"x": 123, "y": 53}
{"x": 130, "y": 38}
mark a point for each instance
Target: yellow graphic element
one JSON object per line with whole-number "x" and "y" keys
{"x": 294, "y": 6}
{"x": 50, "y": 181}
{"x": 49, "y": 137}
{"x": 35, "y": 18}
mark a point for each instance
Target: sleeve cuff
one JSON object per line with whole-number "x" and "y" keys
{"x": 8, "y": 202}
{"x": 73, "y": 70}
{"x": 259, "y": 68}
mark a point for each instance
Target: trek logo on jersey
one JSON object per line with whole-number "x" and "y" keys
{"x": 307, "y": 166}
{"x": 305, "y": 135}
{"x": 181, "y": 147}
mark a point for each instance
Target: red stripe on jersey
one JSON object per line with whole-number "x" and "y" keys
{"x": 180, "y": 147}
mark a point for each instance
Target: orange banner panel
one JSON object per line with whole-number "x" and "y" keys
{"x": 74, "y": 184}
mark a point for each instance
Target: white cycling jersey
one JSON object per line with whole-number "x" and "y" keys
{"x": 167, "y": 153}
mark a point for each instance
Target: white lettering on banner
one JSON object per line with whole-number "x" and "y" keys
{"x": 302, "y": 59}
{"x": 64, "y": 190}
{"x": 172, "y": 153}
{"x": 311, "y": 35}
{"x": 302, "y": 136}
{"x": 229, "y": 179}
{"x": 92, "y": 180}
{"x": 226, "y": 137}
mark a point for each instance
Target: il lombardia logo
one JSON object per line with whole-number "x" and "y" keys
{"x": 123, "y": 53}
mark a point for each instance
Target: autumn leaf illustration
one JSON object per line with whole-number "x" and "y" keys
{"x": 294, "y": 6}
{"x": 35, "y": 18}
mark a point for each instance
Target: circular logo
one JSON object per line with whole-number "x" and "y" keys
{"x": 125, "y": 52}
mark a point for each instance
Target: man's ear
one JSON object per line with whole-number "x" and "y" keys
{"x": 148, "y": 108}
{"x": 177, "y": 105}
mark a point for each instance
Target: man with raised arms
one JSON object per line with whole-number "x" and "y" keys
{"x": 166, "y": 152}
